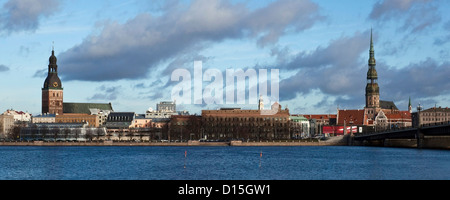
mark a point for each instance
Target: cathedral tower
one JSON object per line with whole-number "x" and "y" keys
{"x": 372, "y": 89}
{"x": 52, "y": 92}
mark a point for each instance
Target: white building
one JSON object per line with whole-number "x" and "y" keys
{"x": 164, "y": 110}
{"x": 44, "y": 118}
{"x": 19, "y": 116}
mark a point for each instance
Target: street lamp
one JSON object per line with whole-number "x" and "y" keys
{"x": 419, "y": 108}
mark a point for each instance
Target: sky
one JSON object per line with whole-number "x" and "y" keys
{"x": 125, "y": 51}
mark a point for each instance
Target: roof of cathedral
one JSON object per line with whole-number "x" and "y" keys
{"x": 84, "y": 107}
{"x": 387, "y": 105}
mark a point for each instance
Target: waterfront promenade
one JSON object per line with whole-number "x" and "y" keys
{"x": 336, "y": 141}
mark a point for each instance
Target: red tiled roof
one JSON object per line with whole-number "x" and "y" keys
{"x": 323, "y": 116}
{"x": 355, "y": 117}
{"x": 399, "y": 115}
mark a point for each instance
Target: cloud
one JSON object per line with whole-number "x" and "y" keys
{"x": 24, "y": 15}
{"x": 42, "y": 73}
{"x": 338, "y": 71}
{"x": 335, "y": 70}
{"x": 443, "y": 39}
{"x": 131, "y": 49}
{"x": 417, "y": 15}
{"x": 107, "y": 93}
{"x": 423, "y": 79}
{"x": 4, "y": 68}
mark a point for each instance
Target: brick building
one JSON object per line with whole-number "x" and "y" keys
{"x": 234, "y": 123}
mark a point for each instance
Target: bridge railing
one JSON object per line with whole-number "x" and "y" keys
{"x": 436, "y": 124}
{"x": 384, "y": 130}
{"x": 396, "y": 129}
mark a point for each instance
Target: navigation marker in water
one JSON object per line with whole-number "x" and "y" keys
{"x": 260, "y": 157}
{"x": 185, "y": 156}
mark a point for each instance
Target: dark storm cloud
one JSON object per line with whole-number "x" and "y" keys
{"x": 335, "y": 70}
{"x": 4, "y": 68}
{"x": 24, "y": 15}
{"x": 131, "y": 49}
{"x": 339, "y": 72}
{"x": 417, "y": 15}
{"x": 424, "y": 79}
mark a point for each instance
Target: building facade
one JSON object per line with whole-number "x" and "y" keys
{"x": 6, "y": 124}
{"x": 90, "y": 120}
{"x": 299, "y": 126}
{"x": 431, "y": 116}
{"x": 166, "y": 106}
{"x": 120, "y": 120}
{"x": 318, "y": 121}
{"x": 101, "y": 110}
{"x": 185, "y": 127}
{"x": 141, "y": 122}
{"x": 19, "y": 116}
{"x": 234, "y": 123}
{"x": 44, "y": 118}
{"x": 52, "y": 92}
{"x": 164, "y": 110}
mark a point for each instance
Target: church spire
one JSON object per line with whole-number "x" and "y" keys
{"x": 53, "y": 67}
{"x": 372, "y": 74}
{"x": 409, "y": 105}
{"x": 372, "y": 61}
{"x": 372, "y": 88}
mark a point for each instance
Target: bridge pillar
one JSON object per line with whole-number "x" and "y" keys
{"x": 350, "y": 139}
{"x": 419, "y": 137}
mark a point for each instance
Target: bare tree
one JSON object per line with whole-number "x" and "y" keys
{"x": 14, "y": 133}
{"x": 98, "y": 132}
{"x": 66, "y": 133}
{"x": 89, "y": 134}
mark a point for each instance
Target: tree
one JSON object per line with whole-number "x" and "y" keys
{"x": 89, "y": 134}
{"x": 44, "y": 132}
{"x": 14, "y": 133}
{"x": 66, "y": 133}
{"x": 99, "y": 132}
{"x": 77, "y": 133}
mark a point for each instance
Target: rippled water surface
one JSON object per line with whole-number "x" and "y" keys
{"x": 213, "y": 163}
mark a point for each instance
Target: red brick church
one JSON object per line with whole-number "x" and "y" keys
{"x": 378, "y": 113}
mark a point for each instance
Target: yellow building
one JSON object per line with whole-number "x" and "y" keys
{"x": 92, "y": 120}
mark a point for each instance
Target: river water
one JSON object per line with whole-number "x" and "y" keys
{"x": 222, "y": 163}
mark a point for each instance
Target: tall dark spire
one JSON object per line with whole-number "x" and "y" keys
{"x": 372, "y": 61}
{"x": 372, "y": 88}
{"x": 372, "y": 74}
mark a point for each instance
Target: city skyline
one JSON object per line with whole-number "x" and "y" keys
{"x": 320, "y": 47}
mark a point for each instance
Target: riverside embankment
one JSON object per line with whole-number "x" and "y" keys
{"x": 338, "y": 141}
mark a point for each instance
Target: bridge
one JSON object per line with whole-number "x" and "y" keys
{"x": 426, "y": 136}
